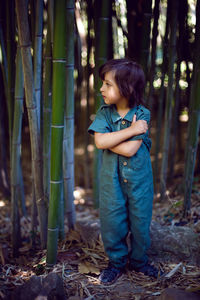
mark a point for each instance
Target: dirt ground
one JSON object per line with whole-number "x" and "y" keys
{"x": 81, "y": 256}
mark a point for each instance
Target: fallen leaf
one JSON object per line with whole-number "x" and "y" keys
{"x": 86, "y": 268}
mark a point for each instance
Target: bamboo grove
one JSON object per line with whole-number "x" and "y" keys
{"x": 50, "y": 52}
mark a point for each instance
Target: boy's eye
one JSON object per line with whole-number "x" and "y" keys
{"x": 108, "y": 84}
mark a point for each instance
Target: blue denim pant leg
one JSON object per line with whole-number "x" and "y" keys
{"x": 114, "y": 222}
{"x": 140, "y": 213}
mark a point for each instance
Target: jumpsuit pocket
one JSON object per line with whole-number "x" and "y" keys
{"x": 140, "y": 159}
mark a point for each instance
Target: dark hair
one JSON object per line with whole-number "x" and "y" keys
{"x": 129, "y": 77}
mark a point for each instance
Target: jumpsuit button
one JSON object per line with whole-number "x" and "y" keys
{"x": 125, "y": 180}
{"x": 123, "y": 122}
{"x": 125, "y": 163}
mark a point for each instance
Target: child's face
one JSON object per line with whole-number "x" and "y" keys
{"x": 109, "y": 90}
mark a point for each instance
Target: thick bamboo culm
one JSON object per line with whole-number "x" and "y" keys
{"x": 156, "y": 14}
{"x": 170, "y": 92}
{"x": 161, "y": 101}
{"x": 10, "y": 48}
{"x": 16, "y": 156}
{"x": 47, "y": 109}
{"x": 194, "y": 121}
{"x": 145, "y": 35}
{"x": 57, "y": 127}
{"x": 101, "y": 55}
{"x": 68, "y": 141}
{"x": 38, "y": 57}
{"x": 25, "y": 45}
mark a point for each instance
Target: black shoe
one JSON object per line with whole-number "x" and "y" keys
{"x": 149, "y": 270}
{"x": 110, "y": 275}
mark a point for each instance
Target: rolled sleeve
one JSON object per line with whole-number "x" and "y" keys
{"x": 142, "y": 114}
{"x": 100, "y": 123}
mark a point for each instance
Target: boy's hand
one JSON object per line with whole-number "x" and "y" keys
{"x": 139, "y": 126}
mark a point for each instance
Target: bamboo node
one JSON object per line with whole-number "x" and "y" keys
{"x": 69, "y": 118}
{"x": 52, "y": 229}
{"x": 59, "y": 60}
{"x": 57, "y": 126}
{"x": 56, "y": 181}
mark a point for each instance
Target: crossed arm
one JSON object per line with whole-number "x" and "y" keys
{"x": 117, "y": 141}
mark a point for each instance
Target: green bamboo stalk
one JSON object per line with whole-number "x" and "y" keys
{"x": 58, "y": 103}
{"x": 38, "y": 56}
{"x": 194, "y": 120}
{"x": 47, "y": 110}
{"x": 68, "y": 141}
{"x": 61, "y": 215}
{"x": 101, "y": 55}
{"x": 168, "y": 111}
{"x": 161, "y": 100}
{"x": 24, "y": 40}
{"x": 153, "y": 53}
{"x": 16, "y": 156}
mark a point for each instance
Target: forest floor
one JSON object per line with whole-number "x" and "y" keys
{"x": 81, "y": 255}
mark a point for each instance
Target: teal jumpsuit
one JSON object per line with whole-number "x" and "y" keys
{"x": 126, "y": 191}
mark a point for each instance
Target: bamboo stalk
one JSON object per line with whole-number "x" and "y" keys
{"x": 16, "y": 157}
{"x": 10, "y": 52}
{"x": 145, "y": 36}
{"x": 182, "y": 16}
{"x": 194, "y": 120}
{"x": 24, "y": 40}
{"x": 161, "y": 100}
{"x": 88, "y": 67}
{"x": 58, "y": 103}
{"x": 38, "y": 57}
{"x": 153, "y": 52}
{"x": 3, "y": 128}
{"x": 68, "y": 141}
{"x": 47, "y": 109}
{"x": 101, "y": 55}
{"x": 168, "y": 111}
{"x": 4, "y": 183}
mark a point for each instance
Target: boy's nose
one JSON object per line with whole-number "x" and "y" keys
{"x": 101, "y": 88}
